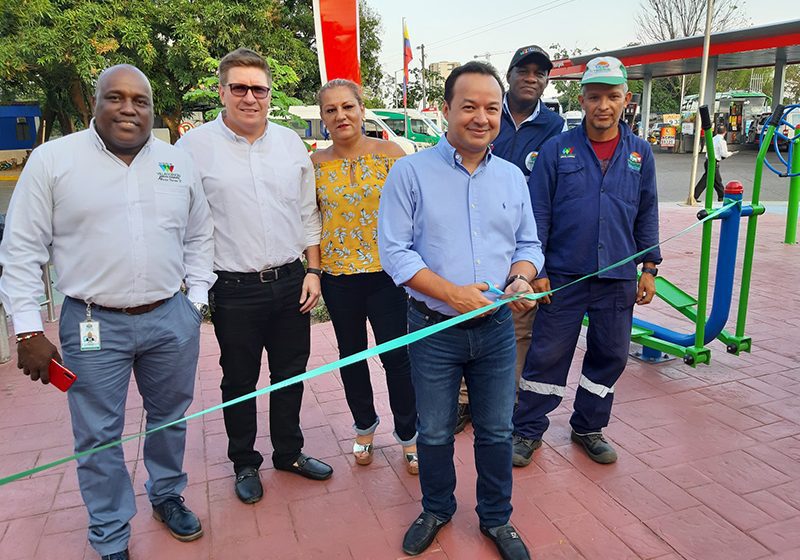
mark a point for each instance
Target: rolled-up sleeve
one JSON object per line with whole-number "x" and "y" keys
{"x": 28, "y": 234}
{"x": 198, "y": 245}
{"x": 396, "y": 226}
{"x": 309, "y": 212}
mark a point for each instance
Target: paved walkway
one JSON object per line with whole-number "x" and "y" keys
{"x": 709, "y": 459}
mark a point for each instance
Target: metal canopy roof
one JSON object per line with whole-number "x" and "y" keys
{"x": 745, "y": 48}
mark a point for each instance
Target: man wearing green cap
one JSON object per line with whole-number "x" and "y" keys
{"x": 595, "y": 202}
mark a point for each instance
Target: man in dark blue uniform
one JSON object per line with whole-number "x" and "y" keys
{"x": 595, "y": 202}
{"x": 525, "y": 124}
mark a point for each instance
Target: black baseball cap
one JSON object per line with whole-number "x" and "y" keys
{"x": 532, "y": 53}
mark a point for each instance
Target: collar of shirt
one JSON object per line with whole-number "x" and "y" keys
{"x": 231, "y": 135}
{"x": 453, "y": 158}
{"x": 98, "y": 141}
{"x": 530, "y": 118}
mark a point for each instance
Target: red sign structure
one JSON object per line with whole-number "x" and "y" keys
{"x": 338, "y": 44}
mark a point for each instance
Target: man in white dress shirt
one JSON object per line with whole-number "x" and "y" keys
{"x": 127, "y": 224}
{"x": 259, "y": 182}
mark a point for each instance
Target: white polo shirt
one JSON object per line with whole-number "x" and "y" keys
{"x": 120, "y": 236}
{"x": 262, "y": 195}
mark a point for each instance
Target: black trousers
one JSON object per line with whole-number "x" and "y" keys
{"x": 351, "y": 300}
{"x": 249, "y": 317}
{"x": 718, "y": 186}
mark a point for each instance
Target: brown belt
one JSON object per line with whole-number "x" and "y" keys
{"x": 138, "y": 310}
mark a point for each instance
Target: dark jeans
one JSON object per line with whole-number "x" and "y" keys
{"x": 248, "y": 318}
{"x": 701, "y": 184}
{"x": 351, "y": 300}
{"x": 484, "y": 356}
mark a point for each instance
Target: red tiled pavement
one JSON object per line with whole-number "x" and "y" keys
{"x": 709, "y": 459}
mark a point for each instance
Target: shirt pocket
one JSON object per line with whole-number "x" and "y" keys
{"x": 172, "y": 205}
{"x": 288, "y": 184}
{"x": 571, "y": 180}
{"x": 626, "y": 188}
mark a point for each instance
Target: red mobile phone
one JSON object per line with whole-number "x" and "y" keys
{"x": 60, "y": 376}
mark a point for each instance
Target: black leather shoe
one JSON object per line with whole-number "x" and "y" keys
{"x": 248, "y": 485}
{"x": 308, "y": 467}
{"x": 116, "y": 556}
{"x": 421, "y": 533}
{"x": 180, "y": 521}
{"x": 508, "y": 542}
{"x": 596, "y": 447}
{"x": 463, "y": 417}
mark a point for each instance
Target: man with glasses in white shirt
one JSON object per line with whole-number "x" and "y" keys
{"x": 260, "y": 185}
{"x": 126, "y": 224}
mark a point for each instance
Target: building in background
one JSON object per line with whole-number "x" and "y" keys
{"x": 443, "y": 68}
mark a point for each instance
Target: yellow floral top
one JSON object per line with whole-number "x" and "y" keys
{"x": 348, "y": 193}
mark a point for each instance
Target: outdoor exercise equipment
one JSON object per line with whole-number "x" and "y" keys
{"x": 790, "y": 168}
{"x": 656, "y": 339}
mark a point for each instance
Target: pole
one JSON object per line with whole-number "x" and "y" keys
{"x": 794, "y": 191}
{"x": 701, "y": 100}
{"x": 752, "y": 224}
{"x": 705, "y": 250}
{"x": 422, "y": 61}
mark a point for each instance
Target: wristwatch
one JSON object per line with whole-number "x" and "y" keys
{"x": 202, "y": 308}
{"x": 648, "y": 270}
{"x": 315, "y": 271}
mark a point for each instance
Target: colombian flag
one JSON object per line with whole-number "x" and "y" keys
{"x": 407, "y": 57}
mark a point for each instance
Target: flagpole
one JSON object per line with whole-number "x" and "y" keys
{"x": 405, "y": 82}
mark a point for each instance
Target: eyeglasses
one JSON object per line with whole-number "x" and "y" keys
{"x": 240, "y": 90}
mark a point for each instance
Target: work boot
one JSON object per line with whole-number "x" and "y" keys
{"x": 597, "y": 447}
{"x": 523, "y": 450}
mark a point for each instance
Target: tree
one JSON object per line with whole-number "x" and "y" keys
{"x": 664, "y": 20}
{"x": 568, "y": 90}
{"x": 55, "y": 49}
{"x": 434, "y": 89}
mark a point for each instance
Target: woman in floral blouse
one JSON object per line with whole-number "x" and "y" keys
{"x": 350, "y": 175}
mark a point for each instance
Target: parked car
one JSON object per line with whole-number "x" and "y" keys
{"x": 313, "y": 132}
{"x": 422, "y": 130}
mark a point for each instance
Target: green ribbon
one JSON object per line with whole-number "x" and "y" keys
{"x": 363, "y": 355}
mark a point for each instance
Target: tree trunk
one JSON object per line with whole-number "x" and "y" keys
{"x": 64, "y": 120}
{"x": 173, "y": 121}
{"x": 80, "y": 101}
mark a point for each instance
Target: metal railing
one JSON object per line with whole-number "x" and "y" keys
{"x": 5, "y": 347}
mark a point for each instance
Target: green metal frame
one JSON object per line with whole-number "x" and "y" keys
{"x": 695, "y": 309}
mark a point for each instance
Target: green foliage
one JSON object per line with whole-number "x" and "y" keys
{"x": 434, "y": 89}
{"x": 568, "y": 90}
{"x": 53, "y": 50}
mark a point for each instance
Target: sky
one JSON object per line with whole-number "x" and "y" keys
{"x": 458, "y": 30}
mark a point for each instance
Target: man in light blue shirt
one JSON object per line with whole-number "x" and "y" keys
{"x": 454, "y": 219}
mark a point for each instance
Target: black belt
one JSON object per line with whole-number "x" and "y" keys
{"x": 437, "y": 317}
{"x": 262, "y": 276}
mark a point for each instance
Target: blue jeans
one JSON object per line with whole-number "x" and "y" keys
{"x": 484, "y": 356}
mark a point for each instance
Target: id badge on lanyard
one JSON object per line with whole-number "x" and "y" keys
{"x": 89, "y": 331}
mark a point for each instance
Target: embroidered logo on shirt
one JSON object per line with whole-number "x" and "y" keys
{"x": 530, "y": 160}
{"x": 568, "y": 152}
{"x": 635, "y": 161}
{"x": 167, "y": 173}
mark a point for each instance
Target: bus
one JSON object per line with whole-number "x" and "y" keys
{"x": 421, "y": 130}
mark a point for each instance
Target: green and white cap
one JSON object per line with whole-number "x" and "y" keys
{"x": 605, "y": 70}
